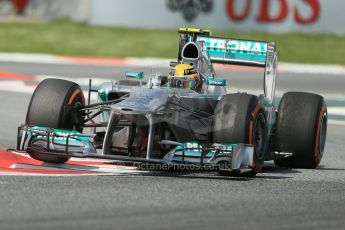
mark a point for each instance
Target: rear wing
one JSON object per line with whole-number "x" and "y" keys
{"x": 236, "y": 52}
{"x": 229, "y": 50}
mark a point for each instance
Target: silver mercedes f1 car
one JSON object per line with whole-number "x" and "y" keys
{"x": 184, "y": 118}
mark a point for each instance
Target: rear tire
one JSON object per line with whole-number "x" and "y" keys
{"x": 240, "y": 118}
{"x": 55, "y": 104}
{"x": 301, "y": 129}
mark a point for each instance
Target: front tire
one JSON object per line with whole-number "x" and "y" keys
{"x": 240, "y": 118}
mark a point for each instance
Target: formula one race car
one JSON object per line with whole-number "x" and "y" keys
{"x": 184, "y": 118}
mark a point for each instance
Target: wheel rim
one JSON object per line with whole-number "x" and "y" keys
{"x": 259, "y": 138}
{"x": 77, "y": 127}
{"x": 322, "y": 136}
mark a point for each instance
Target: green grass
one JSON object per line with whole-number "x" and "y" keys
{"x": 76, "y": 39}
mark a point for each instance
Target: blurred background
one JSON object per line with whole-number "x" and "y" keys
{"x": 307, "y": 31}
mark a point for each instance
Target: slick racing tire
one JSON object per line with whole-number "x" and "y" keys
{"x": 55, "y": 104}
{"x": 240, "y": 118}
{"x": 301, "y": 129}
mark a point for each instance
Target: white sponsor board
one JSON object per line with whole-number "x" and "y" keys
{"x": 76, "y": 10}
{"x": 320, "y": 16}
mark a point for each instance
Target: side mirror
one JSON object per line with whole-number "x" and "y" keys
{"x": 174, "y": 63}
{"x": 217, "y": 82}
{"x": 135, "y": 74}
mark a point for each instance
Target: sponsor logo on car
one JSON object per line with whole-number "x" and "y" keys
{"x": 235, "y": 45}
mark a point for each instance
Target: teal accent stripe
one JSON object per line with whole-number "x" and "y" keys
{"x": 232, "y": 49}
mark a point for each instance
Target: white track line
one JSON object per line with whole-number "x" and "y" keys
{"x": 16, "y": 86}
{"x": 336, "y": 122}
{"x": 336, "y": 111}
{"x": 312, "y": 69}
{"x": 28, "y": 58}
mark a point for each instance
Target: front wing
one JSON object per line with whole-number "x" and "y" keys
{"x": 45, "y": 141}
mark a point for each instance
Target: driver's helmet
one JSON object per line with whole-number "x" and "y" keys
{"x": 184, "y": 76}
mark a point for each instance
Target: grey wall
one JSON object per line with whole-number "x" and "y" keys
{"x": 156, "y": 14}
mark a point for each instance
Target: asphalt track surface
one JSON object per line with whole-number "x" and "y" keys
{"x": 278, "y": 198}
